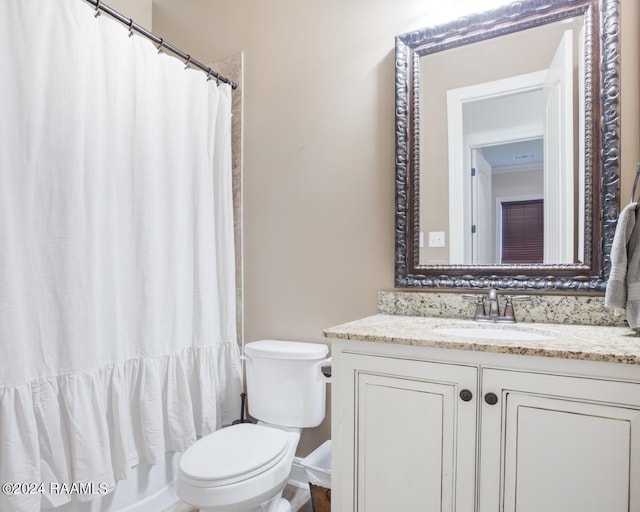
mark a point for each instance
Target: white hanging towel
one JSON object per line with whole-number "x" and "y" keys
{"x": 623, "y": 286}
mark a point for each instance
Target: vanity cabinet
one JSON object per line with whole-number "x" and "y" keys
{"x": 558, "y": 443}
{"x": 409, "y": 439}
{"x": 428, "y": 429}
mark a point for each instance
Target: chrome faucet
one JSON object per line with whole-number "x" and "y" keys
{"x": 491, "y": 297}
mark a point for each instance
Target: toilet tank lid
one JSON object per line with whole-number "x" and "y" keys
{"x": 286, "y": 349}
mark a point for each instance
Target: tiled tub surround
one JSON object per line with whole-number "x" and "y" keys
{"x": 592, "y": 343}
{"x": 549, "y": 309}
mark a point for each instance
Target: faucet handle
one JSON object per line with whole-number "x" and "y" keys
{"x": 509, "y": 313}
{"x": 478, "y": 298}
{"x": 509, "y": 310}
{"x": 479, "y": 304}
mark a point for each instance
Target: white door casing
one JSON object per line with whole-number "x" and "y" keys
{"x": 558, "y": 156}
{"x": 459, "y": 150}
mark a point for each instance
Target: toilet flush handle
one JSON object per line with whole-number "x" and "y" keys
{"x": 324, "y": 370}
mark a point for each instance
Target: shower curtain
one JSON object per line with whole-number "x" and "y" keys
{"x": 117, "y": 293}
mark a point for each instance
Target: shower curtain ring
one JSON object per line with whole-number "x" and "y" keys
{"x": 187, "y": 62}
{"x": 97, "y": 9}
{"x": 130, "y": 27}
{"x": 160, "y": 44}
{"x": 208, "y": 74}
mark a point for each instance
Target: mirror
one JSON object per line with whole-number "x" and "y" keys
{"x": 507, "y": 142}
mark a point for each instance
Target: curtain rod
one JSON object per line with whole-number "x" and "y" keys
{"x": 99, "y": 6}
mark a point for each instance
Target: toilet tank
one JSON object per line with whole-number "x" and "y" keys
{"x": 284, "y": 384}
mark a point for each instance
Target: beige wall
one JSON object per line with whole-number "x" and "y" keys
{"x": 319, "y": 148}
{"x": 630, "y": 94}
{"x": 318, "y": 157}
{"x": 140, "y": 11}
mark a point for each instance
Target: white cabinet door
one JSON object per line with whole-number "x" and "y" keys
{"x": 559, "y": 444}
{"x": 409, "y": 437}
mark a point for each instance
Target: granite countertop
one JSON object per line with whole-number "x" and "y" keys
{"x": 587, "y": 342}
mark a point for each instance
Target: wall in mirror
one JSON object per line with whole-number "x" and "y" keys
{"x": 503, "y": 178}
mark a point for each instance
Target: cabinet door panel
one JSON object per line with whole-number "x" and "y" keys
{"x": 564, "y": 445}
{"x": 405, "y": 444}
{"x": 413, "y": 437}
{"x": 561, "y": 455}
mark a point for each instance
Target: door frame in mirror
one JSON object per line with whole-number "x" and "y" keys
{"x": 602, "y": 144}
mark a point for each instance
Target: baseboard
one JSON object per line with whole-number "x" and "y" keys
{"x": 298, "y": 475}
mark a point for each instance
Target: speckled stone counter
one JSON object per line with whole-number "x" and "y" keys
{"x": 585, "y": 342}
{"x": 551, "y": 309}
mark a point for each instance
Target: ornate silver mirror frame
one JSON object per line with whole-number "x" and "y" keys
{"x": 601, "y": 147}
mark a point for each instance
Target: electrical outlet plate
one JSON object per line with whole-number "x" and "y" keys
{"x": 436, "y": 238}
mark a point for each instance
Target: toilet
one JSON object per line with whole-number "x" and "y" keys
{"x": 245, "y": 467}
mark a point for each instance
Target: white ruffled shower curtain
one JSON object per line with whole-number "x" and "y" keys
{"x": 117, "y": 290}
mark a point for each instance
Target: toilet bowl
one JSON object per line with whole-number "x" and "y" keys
{"x": 245, "y": 467}
{"x": 241, "y": 468}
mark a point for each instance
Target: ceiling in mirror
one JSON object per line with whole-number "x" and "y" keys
{"x": 502, "y": 176}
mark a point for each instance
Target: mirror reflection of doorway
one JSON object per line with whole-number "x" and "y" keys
{"x": 511, "y": 172}
{"x": 517, "y": 110}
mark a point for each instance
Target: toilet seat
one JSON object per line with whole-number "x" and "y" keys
{"x": 233, "y": 454}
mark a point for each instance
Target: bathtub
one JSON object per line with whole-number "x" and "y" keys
{"x": 148, "y": 489}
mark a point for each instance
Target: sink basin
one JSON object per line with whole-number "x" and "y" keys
{"x": 490, "y": 333}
